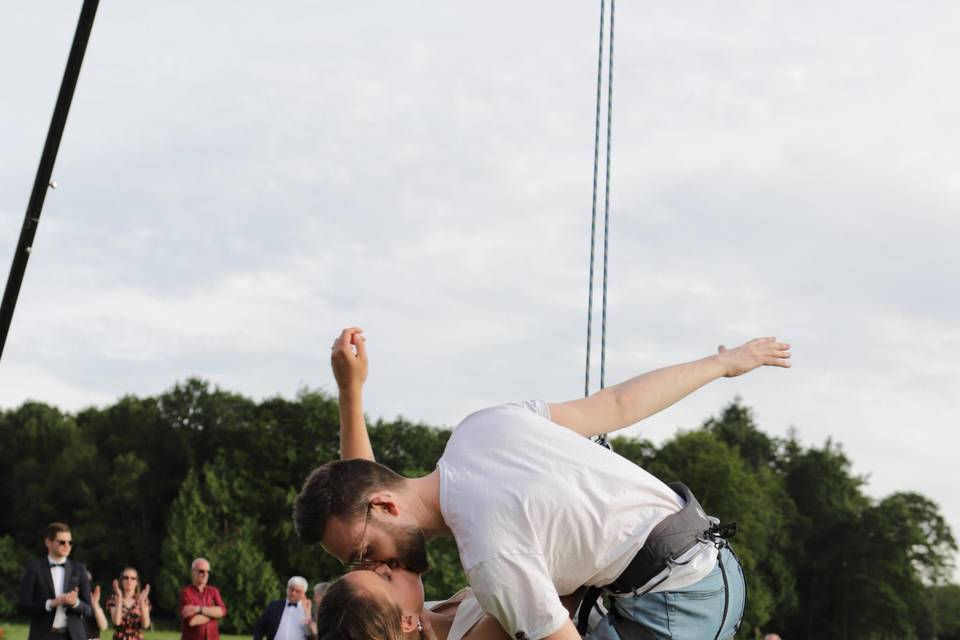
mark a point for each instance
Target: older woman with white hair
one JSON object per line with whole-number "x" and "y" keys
{"x": 286, "y": 618}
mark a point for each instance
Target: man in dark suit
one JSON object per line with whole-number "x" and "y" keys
{"x": 55, "y": 591}
{"x": 287, "y": 618}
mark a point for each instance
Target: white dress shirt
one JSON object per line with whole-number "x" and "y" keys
{"x": 57, "y": 573}
{"x": 291, "y": 623}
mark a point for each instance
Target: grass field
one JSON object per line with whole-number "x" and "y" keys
{"x": 17, "y": 631}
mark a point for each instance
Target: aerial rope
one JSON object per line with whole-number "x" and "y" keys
{"x": 601, "y": 439}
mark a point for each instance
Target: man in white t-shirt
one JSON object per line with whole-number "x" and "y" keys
{"x": 536, "y": 508}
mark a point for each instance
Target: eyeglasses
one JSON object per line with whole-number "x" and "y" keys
{"x": 64, "y": 543}
{"x": 128, "y": 577}
{"x": 368, "y": 565}
{"x": 360, "y": 563}
{"x": 202, "y": 571}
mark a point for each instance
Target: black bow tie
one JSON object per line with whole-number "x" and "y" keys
{"x": 291, "y": 604}
{"x": 52, "y": 565}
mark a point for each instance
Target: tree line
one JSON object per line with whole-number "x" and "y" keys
{"x": 154, "y": 482}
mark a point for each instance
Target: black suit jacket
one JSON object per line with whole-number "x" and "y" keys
{"x": 37, "y": 587}
{"x": 269, "y": 621}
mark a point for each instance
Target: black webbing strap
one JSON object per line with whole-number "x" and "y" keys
{"x": 672, "y": 537}
{"x": 586, "y": 606}
{"x": 726, "y": 591}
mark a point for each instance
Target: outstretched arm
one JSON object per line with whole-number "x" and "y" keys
{"x": 640, "y": 397}
{"x": 349, "y": 362}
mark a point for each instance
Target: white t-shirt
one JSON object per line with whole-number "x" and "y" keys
{"x": 538, "y": 511}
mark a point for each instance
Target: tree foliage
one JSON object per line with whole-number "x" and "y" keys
{"x": 156, "y": 482}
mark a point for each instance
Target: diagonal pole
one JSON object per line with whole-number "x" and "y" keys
{"x": 45, "y": 170}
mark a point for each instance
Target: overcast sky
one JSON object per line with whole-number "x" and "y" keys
{"x": 240, "y": 180}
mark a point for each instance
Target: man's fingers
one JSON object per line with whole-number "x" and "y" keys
{"x": 777, "y": 362}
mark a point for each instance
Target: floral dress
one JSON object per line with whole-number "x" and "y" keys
{"x": 131, "y": 624}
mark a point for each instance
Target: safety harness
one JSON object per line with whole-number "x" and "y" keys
{"x": 673, "y": 537}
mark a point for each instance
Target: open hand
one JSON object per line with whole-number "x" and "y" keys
{"x": 756, "y": 353}
{"x": 142, "y": 598}
{"x": 95, "y": 596}
{"x": 116, "y": 589}
{"x": 349, "y": 359}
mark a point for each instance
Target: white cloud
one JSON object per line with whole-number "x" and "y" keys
{"x": 238, "y": 182}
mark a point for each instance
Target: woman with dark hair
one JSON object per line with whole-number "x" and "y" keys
{"x": 129, "y": 606}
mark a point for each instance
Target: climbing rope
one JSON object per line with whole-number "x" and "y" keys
{"x": 602, "y": 439}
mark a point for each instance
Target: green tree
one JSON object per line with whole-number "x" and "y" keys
{"x": 13, "y": 557}
{"x": 207, "y": 521}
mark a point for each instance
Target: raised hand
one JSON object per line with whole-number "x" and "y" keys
{"x": 116, "y": 589}
{"x": 349, "y": 359}
{"x": 750, "y": 355}
{"x": 143, "y": 597}
{"x": 95, "y": 596}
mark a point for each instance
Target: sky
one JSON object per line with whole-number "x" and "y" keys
{"x": 240, "y": 180}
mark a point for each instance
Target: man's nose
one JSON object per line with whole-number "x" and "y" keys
{"x": 382, "y": 569}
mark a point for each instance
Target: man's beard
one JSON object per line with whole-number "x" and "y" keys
{"x": 411, "y": 546}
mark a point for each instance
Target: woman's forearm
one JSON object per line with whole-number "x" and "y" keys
{"x": 354, "y": 438}
{"x": 100, "y": 617}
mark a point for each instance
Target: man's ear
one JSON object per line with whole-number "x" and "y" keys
{"x": 409, "y": 622}
{"x": 386, "y": 502}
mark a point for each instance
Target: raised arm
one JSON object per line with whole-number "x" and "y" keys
{"x": 640, "y": 397}
{"x": 349, "y": 362}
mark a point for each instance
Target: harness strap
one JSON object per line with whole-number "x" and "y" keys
{"x": 726, "y": 590}
{"x": 586, "y": 606}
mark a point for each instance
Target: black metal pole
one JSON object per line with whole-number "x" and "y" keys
{"x": 45, "y": 170}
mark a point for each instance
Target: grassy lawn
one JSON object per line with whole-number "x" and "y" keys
{"x": 15, "y": 631}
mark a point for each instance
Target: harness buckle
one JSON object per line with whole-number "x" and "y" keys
{"x": 725, "y": 531}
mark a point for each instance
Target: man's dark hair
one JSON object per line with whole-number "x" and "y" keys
{"x": 51, "y": 530}
{"x": 339, "y": 490}
{"x": 347, "y": 613}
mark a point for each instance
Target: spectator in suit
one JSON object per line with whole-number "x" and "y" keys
{"x": 55, "y": 591}
{"x": 200, "y": 605}
{"x": 287, "y": 618}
